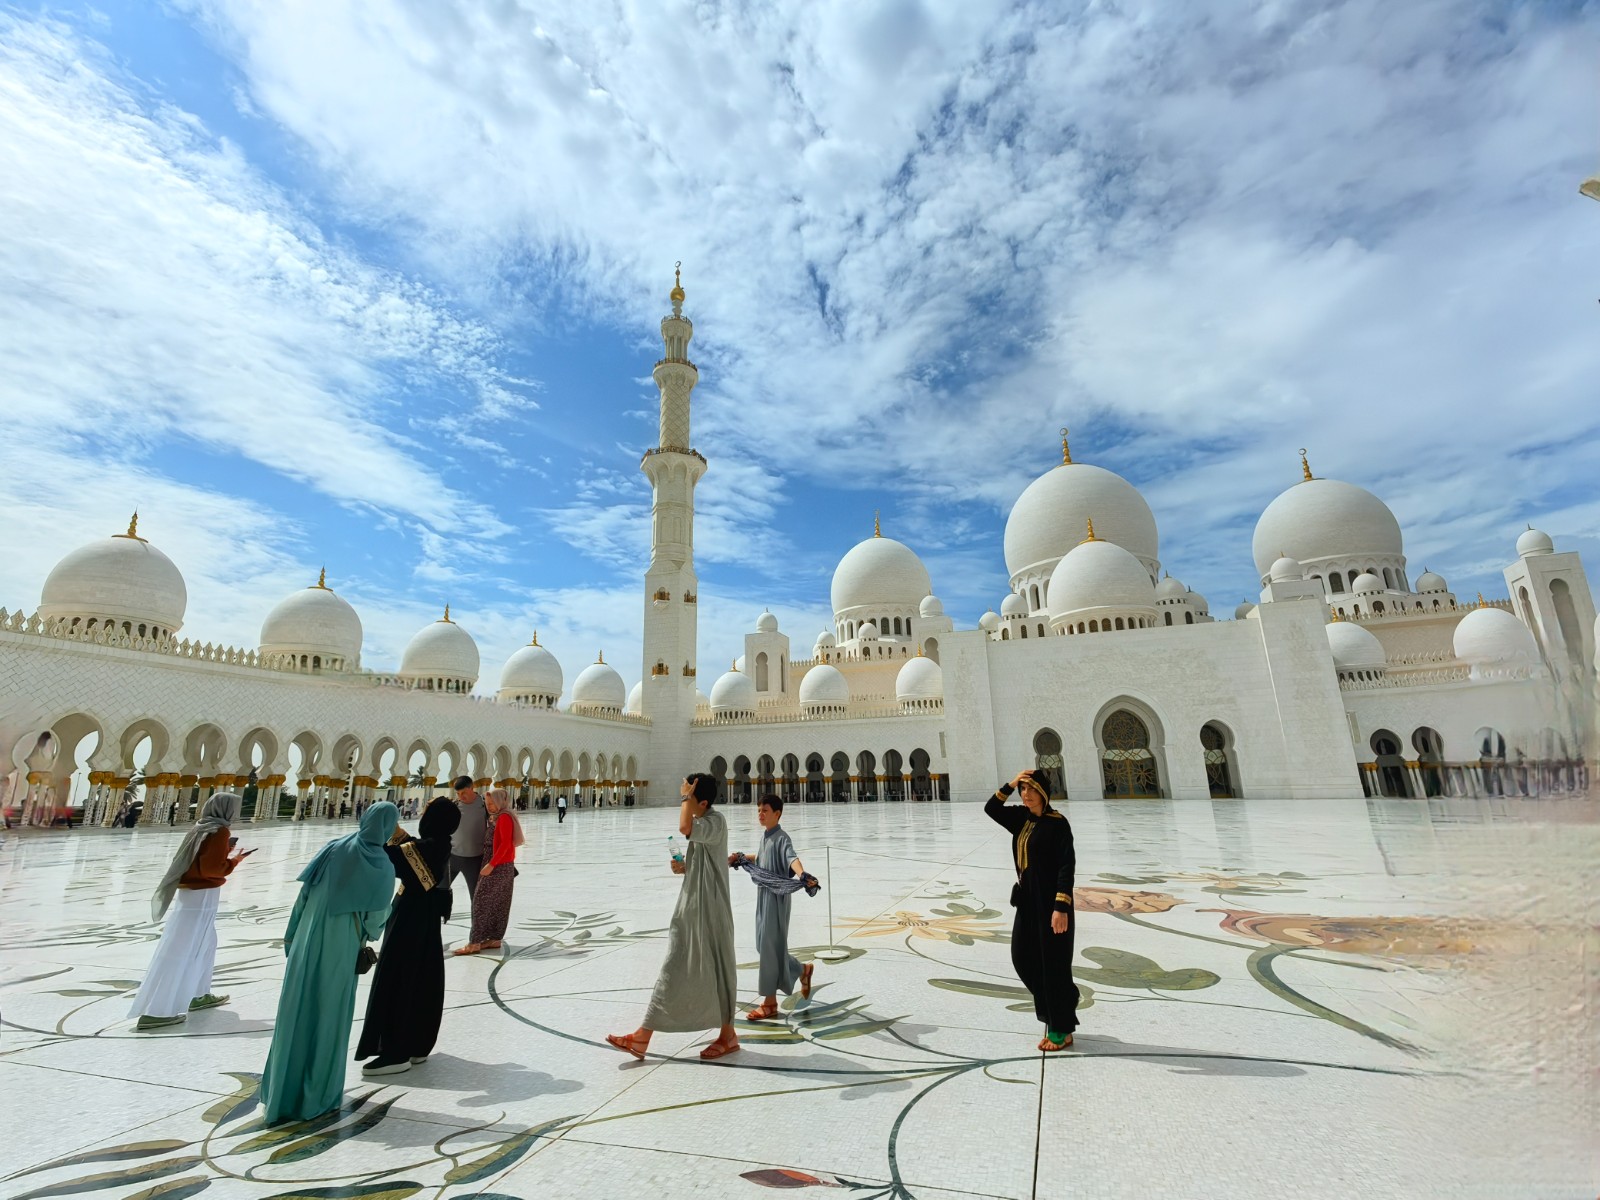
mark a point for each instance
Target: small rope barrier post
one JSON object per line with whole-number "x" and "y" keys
{"x": 832, "y": 954}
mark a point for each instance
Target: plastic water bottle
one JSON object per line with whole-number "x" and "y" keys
{"x": 672, "y": 849}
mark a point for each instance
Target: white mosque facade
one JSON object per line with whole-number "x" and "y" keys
{"x": 1348, "y": 677}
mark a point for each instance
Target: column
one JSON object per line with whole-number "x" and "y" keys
{"x": 1414, "y": 777}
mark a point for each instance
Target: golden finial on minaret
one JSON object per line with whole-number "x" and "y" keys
{"x": 677, "y": 293}
{"x": 133, "y": 529}
{"x": 1066, "y": 451}
{"x": 877, "y": 527}
{"x": 1091, "y": 537}
{"x": 322, "y": 579}
{"x": 1305, "y": 467}
{"x": 446, "y": 618}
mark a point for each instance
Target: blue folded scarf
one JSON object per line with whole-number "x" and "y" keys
{"x": 778, "y": 885}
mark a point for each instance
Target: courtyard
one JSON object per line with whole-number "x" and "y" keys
{"x": 1361, "y": 998}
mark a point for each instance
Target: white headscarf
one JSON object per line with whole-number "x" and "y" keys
{"x": 221, "y": 811}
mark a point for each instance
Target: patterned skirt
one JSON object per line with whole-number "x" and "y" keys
{"x": 491, "y": 903}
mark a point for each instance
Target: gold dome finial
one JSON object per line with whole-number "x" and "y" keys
{"x": 877, "y": 526}
{"x": 446, "y": 618}
{"x": 535, "y": 641}
{"x": 1091, "y": 537}
{"x": 1335, "y": 615}
{"x": 919, "y": 651}
{"x": 1305, "y": 467}
{"x": 1482, "y": 603}
{"x": 322, "y": 579}
{"x": 734, "y": 665}
{"x": 602, "y": 657}
{"x": 1066, "y": 451}
{"x": 133, "y": 529}
{"x": 677, "y": 294}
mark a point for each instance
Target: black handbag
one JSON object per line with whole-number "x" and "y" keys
{"x": 366, "y": 957}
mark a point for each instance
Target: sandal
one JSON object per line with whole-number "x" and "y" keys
{"x": 624, "y": 1041}
{"x": 1050, "y": 1047}
{"x": 764, "y": 1012}
{"x": 805, "y": 980}
{"x": 491, "y": 945}
{"x": 469, "y": 948}
{"x": 717, "y": 1050}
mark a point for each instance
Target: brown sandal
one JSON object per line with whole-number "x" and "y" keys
{"x": 718, "y": 1049}
{"x": 805, "y": 980}
{"x": 1050, "y": 1047}
{"x": 469, "y": 948}
{"x": 624, "y": 1041}
{"x": 763, "y": 1012}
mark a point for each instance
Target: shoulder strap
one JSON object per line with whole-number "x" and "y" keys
{"x": 418, "y": 867}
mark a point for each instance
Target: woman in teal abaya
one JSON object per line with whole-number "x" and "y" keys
{"x": 344, "y": 901}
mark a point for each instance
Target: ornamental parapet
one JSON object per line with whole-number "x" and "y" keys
{"x": 794, "y": 716}
{"x": 1372, "y": 681}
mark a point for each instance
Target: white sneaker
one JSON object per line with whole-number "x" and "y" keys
{"x": 416, "y": 1061}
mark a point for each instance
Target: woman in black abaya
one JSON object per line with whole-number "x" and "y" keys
{"x": 407, "y": 1000}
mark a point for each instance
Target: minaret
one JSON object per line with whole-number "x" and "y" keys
{"x": 671, "y": 599}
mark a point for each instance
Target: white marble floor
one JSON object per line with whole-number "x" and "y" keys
{"x": 1387, "y": 999}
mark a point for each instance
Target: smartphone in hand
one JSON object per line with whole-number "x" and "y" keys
{"x": 232, "y": 842}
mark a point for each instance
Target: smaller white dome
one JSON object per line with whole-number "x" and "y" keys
{"x": 1286, "y": 569}
{"x": 1492, "y": 635}
{"x": 1099, "y": 574}
{"x": 738, "y": 663}
{"x": 931, "y": 606}
{"x": 1170, "y": 589}
{"x": 313, "y": 621}
{"x": 1244, "y": 610}
{"x": 442, "y": 650}
{"x": 767, "y": 623}
{"x": 635, "y": 705}
{"x": 1534, "y": 541}
{"x": 879, "y": 572}
{"x": 826, "y": 640}
{"x": 989, "y": 622}
{"x": 733, "y": 693}
{"x": 531, "y": 670}
{"x": 1366, "y": 584}
{"x": 1013, "y": 606}
{"x": 1429, "y": 582}
{"x": 920, "y": 679}
{"x": 700, "y": 700}
{"x": 824, "y": 685}
{"x": 1198, "y": 602}
{"x": 868, "y": 631}
{"x": 598, "y": 687}
{"x": 1354, "y": 648}
{"x": 119, "y": 578}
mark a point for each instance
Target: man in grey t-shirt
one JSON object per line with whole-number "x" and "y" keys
{"x": 466, "y": 843}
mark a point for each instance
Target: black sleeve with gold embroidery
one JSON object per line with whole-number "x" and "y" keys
{"x": 1000, "y": 813}
{"x": 1065, "y": 871}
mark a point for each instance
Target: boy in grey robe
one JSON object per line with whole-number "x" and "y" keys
{"x": 780, "y": 970}
{"x": 698, "y": 982}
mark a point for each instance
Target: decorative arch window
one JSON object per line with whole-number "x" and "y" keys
{"x": 1214, "y": 749}
{"x": 1119, "y": 622}
{"x": 1127, "y": 765}
{"x": 1188, "y": 618}
{"x": 1336, "y": 581}
{"x": 1168, "y": 616}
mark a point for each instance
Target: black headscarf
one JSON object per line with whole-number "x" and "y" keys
{"x": 439, "y": 821}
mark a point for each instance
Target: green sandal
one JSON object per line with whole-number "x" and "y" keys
{"x": 148, "y": 1023}
{"x": 209, "y": 1000}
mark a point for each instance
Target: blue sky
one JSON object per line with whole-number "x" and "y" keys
{"x": 375, "y": 285}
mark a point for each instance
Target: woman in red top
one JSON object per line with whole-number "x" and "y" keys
{"x": 179, "y": 979}
{"x": 491, "y": 905}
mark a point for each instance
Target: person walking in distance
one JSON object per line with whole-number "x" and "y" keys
{"x": 561, "y": 808}
{"x": 466, "y": 843}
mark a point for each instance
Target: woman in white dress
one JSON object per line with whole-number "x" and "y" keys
{"x": 179, "y": 979}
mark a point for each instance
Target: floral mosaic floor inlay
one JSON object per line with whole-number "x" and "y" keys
{"x": 1363, "y": 998}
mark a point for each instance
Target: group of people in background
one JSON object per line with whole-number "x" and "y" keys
{"x": 348, "y": 898}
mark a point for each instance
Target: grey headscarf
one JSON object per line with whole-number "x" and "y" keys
{"x": 221, "y": 811}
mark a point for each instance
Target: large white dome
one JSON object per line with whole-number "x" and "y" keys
{"x": 1492, "y": 635}
{"x": 532, "y": 671}
{"x": 442, "y": 650}
{"x": 824, "y": 685}
{"x": 1050, "y": 516}
{"x": 314, "y": 621}
{"x": 880, "y": 572}
{"x": 122, "y": 578}
{"x": 1099, "y": 574}
{"x": 1325, "y": 518}
{"x": 598, "y": 687}
{"x": 733, "y": 692}
{"x": 1354, "y": 648}
{"x": 920, "y": 679}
